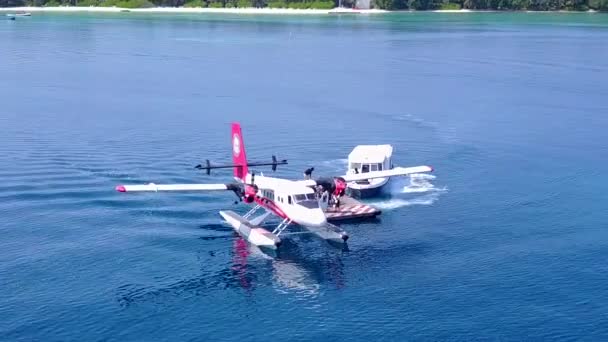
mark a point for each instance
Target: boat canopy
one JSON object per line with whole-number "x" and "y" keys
{"x": 370, "y": 154}
{"x": 366, "y": 158}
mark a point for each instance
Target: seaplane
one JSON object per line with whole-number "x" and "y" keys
{"x": 293, "y": 202}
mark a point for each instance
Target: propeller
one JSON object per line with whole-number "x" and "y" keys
{"x": 238, "y": 190}
{"x": 255, "y": 187}
{"x": 207, "y": 167}
{"x": 275, "y": 162}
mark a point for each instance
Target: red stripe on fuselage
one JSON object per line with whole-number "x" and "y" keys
{"x": 270, "y": 205}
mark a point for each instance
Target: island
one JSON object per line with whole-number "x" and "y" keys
{"x": 308, "y": 6}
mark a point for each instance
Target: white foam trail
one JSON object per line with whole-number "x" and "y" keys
{"x": 415, "y": 184}
{"x": 410, "y": 190}
{"x": 418, "y": 183}
{"x": 418, "y": 176}
{"x": 399, "y": 203}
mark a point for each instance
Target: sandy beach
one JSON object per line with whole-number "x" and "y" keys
{"x": 252, "y": 10}
{"x": 191, "y": 10}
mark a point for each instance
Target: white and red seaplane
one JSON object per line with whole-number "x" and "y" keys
{"x": 293, "y": 201}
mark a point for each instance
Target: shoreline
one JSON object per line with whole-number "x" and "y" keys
{"x": 168, "y": 10}
{"x": 253, "y": 10}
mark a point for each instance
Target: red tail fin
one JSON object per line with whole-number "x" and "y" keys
{"x": 239, "y": 158}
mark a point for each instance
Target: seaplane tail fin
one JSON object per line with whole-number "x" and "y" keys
{"x": 239, "y": 157}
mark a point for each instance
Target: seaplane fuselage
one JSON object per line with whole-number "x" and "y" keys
{"x": 287, "y": 199}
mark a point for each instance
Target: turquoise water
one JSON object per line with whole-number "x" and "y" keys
{"x": 507, "y": 241}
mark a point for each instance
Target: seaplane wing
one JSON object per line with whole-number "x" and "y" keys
{"x": 398, "y": 171}
{"x": 306, "y": 182}
{"x": 172, "y": 187}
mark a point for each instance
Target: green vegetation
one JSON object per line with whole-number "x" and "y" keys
{"x": 301, "y": 4}
{"x": 449, "y": 6}
{"x": 533, "y": 5}
{"x": 124, "y": 3}
{"x": 536, "y": 5}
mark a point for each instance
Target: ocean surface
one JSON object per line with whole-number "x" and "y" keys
{"x": 507, "y": 240}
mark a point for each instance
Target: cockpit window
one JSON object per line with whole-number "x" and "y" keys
{"x": 306, "y": 200}
{"x": 304, "y": 197}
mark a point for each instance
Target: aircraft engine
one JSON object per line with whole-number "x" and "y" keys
{"x": 339, "y": 186}
{"x": 250, "y": 193}
{"x": 335, "y": 186}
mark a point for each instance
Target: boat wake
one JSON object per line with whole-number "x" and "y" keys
{"x": 395, "y": 203}
{"x": 418, "y": 185}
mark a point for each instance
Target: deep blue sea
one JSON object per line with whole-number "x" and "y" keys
{"x": 507, "y": 241}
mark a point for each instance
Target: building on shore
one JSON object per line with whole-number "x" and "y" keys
{"x": 363, "y": 4}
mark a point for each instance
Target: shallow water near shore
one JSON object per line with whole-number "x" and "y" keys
{"x": 506, "y": 240}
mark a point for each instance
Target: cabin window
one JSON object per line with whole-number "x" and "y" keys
{"x": 374, "y": 167}
{"x": 269, "y": 194}
{"x": 365, "y": 168}
{"x": 355, "y": 166}
{"x": 289, "y": 199}
{"x": 379, "y": 166}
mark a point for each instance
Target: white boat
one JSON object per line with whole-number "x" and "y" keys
{"x": 13, "y": 15}
{"x": 367, "y": 158}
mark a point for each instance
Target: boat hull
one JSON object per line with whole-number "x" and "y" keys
{"x": 367, "y": 190}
